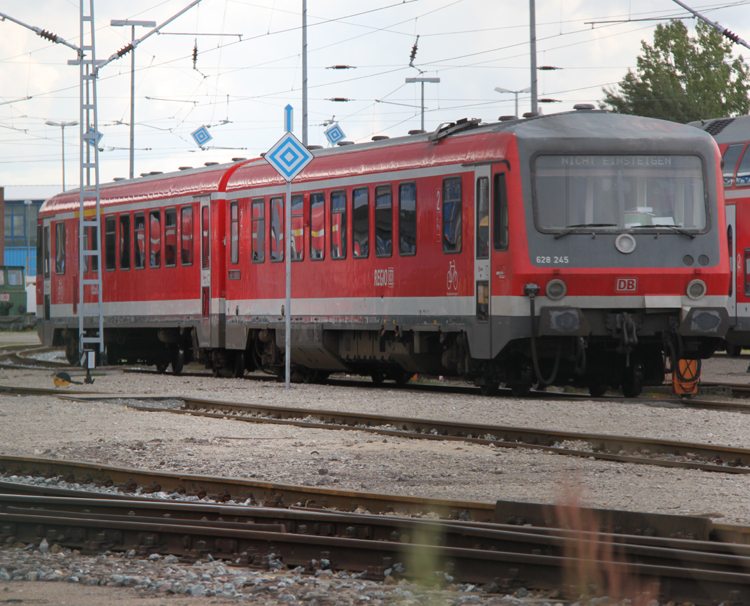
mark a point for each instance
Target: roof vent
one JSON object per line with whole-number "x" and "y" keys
{"x": 342, "y": 143}
{"x": 446, "y": 129}
{"x": 716, "y": 126}
{"x": 584, "y": 106}
{"x": 417, "y": 131}
{"x": 210, "y": 163}
{"x": 238, "y": 159}
{"x": 156, "y": 172}
{"x": 380, "y": 137}
{"x": 531, "y": 114}
{"x": 312, "y": 147}
{"x": 144, "y": 174}
{"x": 507, "y": 118}
{"x": 184, "y": 167}
{"x": 118, "y": 179}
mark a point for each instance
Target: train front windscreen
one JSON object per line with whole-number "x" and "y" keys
{"x": 619, "y": 192}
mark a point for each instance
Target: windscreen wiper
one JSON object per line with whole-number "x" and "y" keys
{"x": 572, "y": 228}
{"x": 675, "y": 228}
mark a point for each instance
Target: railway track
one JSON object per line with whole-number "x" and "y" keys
{"x": 514, "y": 556}
{"x": 23, "y": 356}
{"x": 624, "y": 449}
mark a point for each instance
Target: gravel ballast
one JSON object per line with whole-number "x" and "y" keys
{"x": 113, "y": 433}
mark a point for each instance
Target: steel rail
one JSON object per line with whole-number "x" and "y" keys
{"x": 498, "y": 537}
{"x": 706, "y": 457}
{"x": 706, "y": 577}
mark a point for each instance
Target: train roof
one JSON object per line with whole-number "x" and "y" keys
{"x": 462, "y": 142}
{"x": 726, "y": 130}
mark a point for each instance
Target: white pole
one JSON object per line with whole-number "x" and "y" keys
{"x": 62, "y": 130}
{"x": 132, "y": 104}
{"x": 532, "y": 26}
{"x": 288, "y": 307}
{"x": 304, "y": 73}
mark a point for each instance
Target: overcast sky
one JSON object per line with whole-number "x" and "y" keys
{"x": 249, "y": 67}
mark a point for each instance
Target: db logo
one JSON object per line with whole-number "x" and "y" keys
{"x": 627, "y": 285}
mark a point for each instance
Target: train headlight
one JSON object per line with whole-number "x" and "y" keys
{"x": 556, "y": 289}
{"x": 625, "y": 243}
{"x": 696, "y": 289}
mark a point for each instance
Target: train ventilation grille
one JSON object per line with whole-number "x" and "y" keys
{"x": 715, "y": 127}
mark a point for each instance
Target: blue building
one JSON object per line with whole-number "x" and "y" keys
{"x": 21, "y": 207}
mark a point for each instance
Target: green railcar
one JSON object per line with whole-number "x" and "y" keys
{"x": 13, "y": 303}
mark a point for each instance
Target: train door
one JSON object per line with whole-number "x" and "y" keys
{"x": 204, "y": 221}
{"x": 482, "y": 343}
{"x": 501, "y": 266}
{"x": 734, "y": 262}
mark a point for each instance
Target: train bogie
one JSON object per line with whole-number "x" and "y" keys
{"x": 578, "y": 249}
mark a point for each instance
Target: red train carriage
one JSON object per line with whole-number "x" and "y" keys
{"x": 732, "y": 135}
{"x": 577, "y": 248}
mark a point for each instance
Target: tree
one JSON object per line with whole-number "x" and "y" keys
{"x": 682, "y": 78}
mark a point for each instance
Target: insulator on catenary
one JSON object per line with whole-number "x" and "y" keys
{"x": 124, "y": 50}
{"x": 195, "y": 54}
{"x": 731, "y": 35}
{"x": 48, "y": 35}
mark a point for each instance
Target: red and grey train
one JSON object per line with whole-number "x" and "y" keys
{"x": 582, "y": 248}
{"x": 733, "y": 135}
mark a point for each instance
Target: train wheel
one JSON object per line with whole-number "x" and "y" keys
{"x": 597, "y": 389}
{"x": 402, "y": 377}
{"x": 178, "y": 361}
{"x": 520, "y": 390}
{"x": 632, "y": 384}
{"x": 490, "y": 388}
{"x": 239, "y": 365}
{"x": 377, "y": 377}
{"x": 734, "y": 350}
{"x": 161, "y": 366}
{"x": 71, "y": 352}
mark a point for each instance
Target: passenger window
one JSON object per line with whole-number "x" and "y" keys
{"x": 170, "y": 237}
{"x": 338, "y": 225}
{"x": 298, "y": 229}
{"x": 39, "y": 251}
{"x": 729, "y": 161}
{"x": 90, "y": 262}
{"x": 360, "y": 224}
{"x": 259, "y": 231}
{"x": 154, "y": 234}
{"x": 110, "y": 243}
{"x": 15, "y": 277}
{"x": 205, "y": 240}
{"x": 186, "y": 235}
{"x": 277, "y": 229}
{"x": 139, "y": 231}
{"x": 234, "y": 233}
{"x": 743, "y": 171}
{"x": 500, "y": 214}
{"x": 452, "y": 215}
{"x": 383, "y": 221}
{"x": 483, "y": 217}
{"x": 407, "y": 219}
{"x": 317, "y": 226}
{"x": 124, "y": 242}
{"x": 46, "y": 254}
{"x": 60, "y": 249}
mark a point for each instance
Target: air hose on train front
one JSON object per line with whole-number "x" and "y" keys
{"x": 531, "y": 290}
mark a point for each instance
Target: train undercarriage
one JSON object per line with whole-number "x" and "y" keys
{"x": 621, "y": 350}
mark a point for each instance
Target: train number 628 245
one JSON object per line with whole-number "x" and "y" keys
{"x": 553, "y": 259}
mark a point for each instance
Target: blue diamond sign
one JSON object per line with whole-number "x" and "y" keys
{"x": 201, "y": 136}
{"x": 334, "y": 134}
{"x": 289, "y": 156}
{"x": 93, "y": 138}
